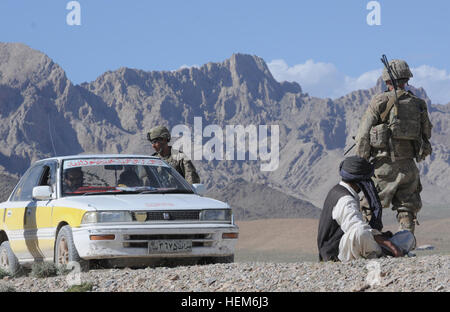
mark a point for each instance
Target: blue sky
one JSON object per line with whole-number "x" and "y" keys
{"x": 325, "y": 45}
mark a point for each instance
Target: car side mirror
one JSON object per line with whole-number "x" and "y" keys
{"x": 43, "y": 192}
{"x": 199, "y": 189}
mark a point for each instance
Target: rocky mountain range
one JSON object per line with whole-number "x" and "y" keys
{"x": 42, "y": 113}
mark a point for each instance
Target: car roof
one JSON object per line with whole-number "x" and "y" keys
{"x": 81, "y": 156}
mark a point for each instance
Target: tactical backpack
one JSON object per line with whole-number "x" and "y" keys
{"x": 401, "y": 120}
{"x": 402, "y": 123}
{"x": 404, "y": 120}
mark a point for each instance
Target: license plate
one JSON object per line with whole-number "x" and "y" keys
{"x": 169, "y": 246}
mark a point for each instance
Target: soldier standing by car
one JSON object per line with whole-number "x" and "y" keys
{"x": 160, "y": 137}
{"x": 396, "y": 129}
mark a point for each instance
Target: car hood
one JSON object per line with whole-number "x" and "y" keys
{"x": 144, "y": 202}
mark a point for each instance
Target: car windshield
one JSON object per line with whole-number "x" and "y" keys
{"x": 90, "y": 176}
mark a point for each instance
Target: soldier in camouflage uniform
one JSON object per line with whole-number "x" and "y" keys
{"x": 394, "y": 131}
{"x": 160, "y": 137}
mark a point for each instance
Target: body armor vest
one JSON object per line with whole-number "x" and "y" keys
{"x": 404, "y": 118}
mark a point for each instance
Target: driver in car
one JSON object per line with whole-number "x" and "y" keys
{"x": 73, "y": 179}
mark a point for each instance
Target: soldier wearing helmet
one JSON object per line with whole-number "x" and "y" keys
{"x": 394, "y": 131}
{"x": 160, "y": 137}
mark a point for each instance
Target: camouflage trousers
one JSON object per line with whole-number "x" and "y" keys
{"x": 398, "y": 183}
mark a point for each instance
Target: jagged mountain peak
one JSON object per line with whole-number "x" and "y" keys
{"x": 21, "y": 65}
{"x": 238, "y": 89}
{"x": 249, "y": 64}
{"x": 242, "y": 68}
{"x": 111, "y": 114}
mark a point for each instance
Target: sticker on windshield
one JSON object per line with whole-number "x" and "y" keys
{"x": 112, "y": 161}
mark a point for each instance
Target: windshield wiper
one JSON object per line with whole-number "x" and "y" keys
{"x": 106, "y": 192}
{"x": 167, "y": 191}
{"x": 178, "y": 191}
{"x": 140, "y": 190}
{"x": 124, "y": 190}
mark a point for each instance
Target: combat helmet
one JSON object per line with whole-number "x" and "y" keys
{"x": 158, "y": 132}
{"x": 400, "y": 70}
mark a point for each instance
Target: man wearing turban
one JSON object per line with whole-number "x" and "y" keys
{"x": 343, "y": 234}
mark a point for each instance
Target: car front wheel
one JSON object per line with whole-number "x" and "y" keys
{"x": 65, "y": 251}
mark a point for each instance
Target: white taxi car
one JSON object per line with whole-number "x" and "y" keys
{"x": 127, "y": 208}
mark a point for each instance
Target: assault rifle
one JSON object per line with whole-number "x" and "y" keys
{"x": 351, "y": 147}
{"x": 391, "y": 72}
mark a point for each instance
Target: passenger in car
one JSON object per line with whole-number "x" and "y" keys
{"x": 129, "y": 178}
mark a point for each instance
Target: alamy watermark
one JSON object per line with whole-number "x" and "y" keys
{"x": 373, "y": 277}
{"x": 374, "y": 16}
{"x": 73, "y": 18}
{"x": 235, "y": 142}
{"x": 74, "y": 277}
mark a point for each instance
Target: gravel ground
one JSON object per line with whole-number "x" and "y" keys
{"x": 417, "y": 274}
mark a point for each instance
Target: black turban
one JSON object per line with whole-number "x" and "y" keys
{"x": 357, "y": 170}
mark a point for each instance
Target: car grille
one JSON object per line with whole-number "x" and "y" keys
{"x": 169, "y": 215}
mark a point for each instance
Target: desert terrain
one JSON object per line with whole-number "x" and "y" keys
{"x": 293, "y": 240}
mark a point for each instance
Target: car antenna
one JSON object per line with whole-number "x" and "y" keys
{"x": 51, "y": 137}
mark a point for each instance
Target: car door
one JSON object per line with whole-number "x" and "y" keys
{"x": 28, "y": 221}
{"x": 38, "y": 217}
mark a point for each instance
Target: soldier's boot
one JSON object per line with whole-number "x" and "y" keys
{"x": 406, "y": 220}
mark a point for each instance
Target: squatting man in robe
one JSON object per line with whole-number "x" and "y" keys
{"x": 343, "y": 234}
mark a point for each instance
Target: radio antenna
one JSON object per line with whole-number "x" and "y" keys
{"x": 51, "y": 137}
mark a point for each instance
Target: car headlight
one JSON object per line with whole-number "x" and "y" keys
{"x": 107, "y": 216}
{"x": 216, "y": 215}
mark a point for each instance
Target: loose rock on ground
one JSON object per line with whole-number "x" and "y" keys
{"x": 419, "y": 274}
